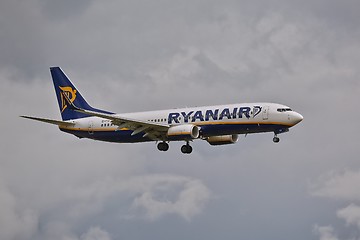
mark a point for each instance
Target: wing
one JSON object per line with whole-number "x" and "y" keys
{"x": 153, "y": 131}
{"x": 55, "y": 122}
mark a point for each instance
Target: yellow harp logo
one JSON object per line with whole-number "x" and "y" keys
{"x": 70, "y": 93}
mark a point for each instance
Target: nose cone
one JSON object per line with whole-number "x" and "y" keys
{"x": 296, "y": 118}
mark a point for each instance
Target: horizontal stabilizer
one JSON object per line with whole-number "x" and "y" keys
{"x": 55, "y": 122}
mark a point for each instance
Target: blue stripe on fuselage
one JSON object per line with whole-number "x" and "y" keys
{"x": 124, "y": 136}
{"x": 121, "y": 136}
{"x": 226, "y": 129}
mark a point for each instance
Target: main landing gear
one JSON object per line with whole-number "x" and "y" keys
{"x": 163, "y": 146}
{"x": 187, "y": 149}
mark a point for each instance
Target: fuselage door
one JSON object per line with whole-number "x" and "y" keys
{"x": 265, "y": 113}
{"x": 91, "y": 128}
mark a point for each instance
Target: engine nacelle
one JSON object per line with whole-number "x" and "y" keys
{"x": 183, "y": 132}
{"x": 222, "y": 140}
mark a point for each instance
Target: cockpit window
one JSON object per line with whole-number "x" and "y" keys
{"x": 284, "y": 109}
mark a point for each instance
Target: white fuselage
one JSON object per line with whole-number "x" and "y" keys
{"x": 212, "y": 120}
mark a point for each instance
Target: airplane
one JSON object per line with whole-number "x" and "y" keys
{"x": 218, "y": 125}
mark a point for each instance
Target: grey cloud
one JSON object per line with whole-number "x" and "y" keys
{"x": 15, "y": 223}
{"x": 59, "y": 10}
{"x": 337, "y": 14}
{"x": 142, "y": 55}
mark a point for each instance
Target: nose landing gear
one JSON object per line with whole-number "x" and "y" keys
{"x": 276, "y": 139}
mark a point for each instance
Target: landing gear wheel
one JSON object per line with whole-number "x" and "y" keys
{"x": 276, "y": 139}
{"x": 183, "y": 148}
{"x": 187, "y": 149}
{"x": 163, "y": 146}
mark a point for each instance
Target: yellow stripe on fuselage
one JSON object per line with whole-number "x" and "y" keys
{"x": 94, "y": 129}
{"x": 241, "y": 123}
{"x": 194, "y": 123}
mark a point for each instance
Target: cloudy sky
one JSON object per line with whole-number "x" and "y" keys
{"x": 142, "y": 55}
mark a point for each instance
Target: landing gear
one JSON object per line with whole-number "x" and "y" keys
{"x": 278, "y": 131}
{"x": 163, "y": 146}
{"x": 187, "y": 149}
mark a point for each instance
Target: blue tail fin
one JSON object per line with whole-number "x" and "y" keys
{"x": 63, "y": 84}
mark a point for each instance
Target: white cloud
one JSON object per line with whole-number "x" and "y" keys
{"x": 63, "y": 231}
{"x": 152, "y": 197}
{"x": 95, "y": 233}
{"x": 351, "y": 214}
{"x": 325, "y": 232}
{"x": 341, "y": 186}
{"x": 158, "y": 197}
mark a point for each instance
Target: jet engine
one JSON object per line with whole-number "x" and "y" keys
{"x": 183, "y": 132}
{"x": 222, "y": 140}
